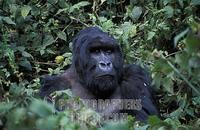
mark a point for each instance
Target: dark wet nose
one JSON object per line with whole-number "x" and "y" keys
{"x": 105, "y": 66}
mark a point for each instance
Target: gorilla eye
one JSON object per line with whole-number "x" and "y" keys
{"x": 95, "y": 50}
{"x": 108, "y": 51}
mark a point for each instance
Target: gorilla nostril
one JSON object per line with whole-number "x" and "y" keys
{"x": 108, "y": 64}
{"x": 102, "y": 64}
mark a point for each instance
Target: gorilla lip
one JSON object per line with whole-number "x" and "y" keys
{"x": 105, "y": 76}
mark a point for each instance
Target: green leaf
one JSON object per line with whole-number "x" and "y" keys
{"x": 25, "y": 63}
{"x": 19, "y": 115}
{"x": 61, "y": 10}
{"x": 136, "y": 13}
{"x": 196, "y": 100}
{"x": 182, "y": 59}
{"x": 25, "y": 10}
{"x": 176, "y": 113}
{"x": 42, "y": 51}
{"x": 192, "y": 43}
{"x": 62, "y": 35}
{"x": 169, "y": 11}
{"x": 78, "y": 6}
{"x": 174, "y": 122}
{"x": 48, "y": 40}
{"x": 49, "y": 123}
{"x": 41, "y": 108}
{"x": 133, "y": 31}
{"x": 145, "y": 127}
{"x": 190, "y": 111}
{"x": 16, "y": 89}
{"x": 165, "y": 2}
{"x": 150, "y": 35}
{"x": 5, "y": 106}
{"x": 168, "y": 85}
{"x": 195, "y": 2}
{"x": 152, "y": 120}
{"x": 107, "y": 25}
{"x": 8, "y": 20}
{"x": 26, "y": 54}
{"x": 115, "y": 126}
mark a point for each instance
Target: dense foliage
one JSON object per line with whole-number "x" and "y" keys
{"x": 35, "y": 39}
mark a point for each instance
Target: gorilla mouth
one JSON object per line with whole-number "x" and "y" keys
{"x": 105, "y": 76}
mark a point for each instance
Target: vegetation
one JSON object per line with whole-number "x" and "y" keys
{"x": 35, "y": 39}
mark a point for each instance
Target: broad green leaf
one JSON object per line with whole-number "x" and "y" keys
{"x": 19, "y": 115}
{"x": 62, "y": 10}
{"x": 169, "y": 11}
{"x": 107, "y": 25}
{"x": 48, "y": 40}
{"x": 49, "y": 123}
{"x": 136, "y": 13}
{"x": 78, "y": 6}
{"x": 128, "y": 30}
{"x": 145, "y": 127}
{"x": 176, "y": 113}
{"x": 62, "y": 35}
{"x": 192, "y": 43}
{"x": 165, "y": 2}
{"x": 133, "y": 31}
{"x": 8, "y": 20}
{"x": 41, "y": 108}
{"x": 168, "y": 85}
{"x": 196, "y": 100}
{"x": 182, "y": 59}
{"x": 152, "y": 120}
{"x": 181, "y": 3}
{"x": 5, "y": 106}
{"x": 150, "y": 35}
{"x": 42, "y": 51}
{"x": 174, "y": 122}
{"x": 115, "y": 126}
{"x": 195, "y": 2}
{"x": 25, "y": 10}
{"x": 190, "y": 111}
{"x": 26, "y": 54}
{"x": 16, "y": 89}
{"x": 25, "y": 63}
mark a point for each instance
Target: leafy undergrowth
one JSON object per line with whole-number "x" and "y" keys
{"x": 35, "y": 39}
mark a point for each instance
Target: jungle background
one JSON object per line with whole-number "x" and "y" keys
{"x": 35, "y": 39}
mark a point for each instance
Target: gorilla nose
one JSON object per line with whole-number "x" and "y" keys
{"x": 105, "y": 66}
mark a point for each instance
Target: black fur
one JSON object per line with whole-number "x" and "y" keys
{"x": 127, "y": 82}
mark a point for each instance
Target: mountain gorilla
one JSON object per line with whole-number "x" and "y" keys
{"x": 97, "y": 72}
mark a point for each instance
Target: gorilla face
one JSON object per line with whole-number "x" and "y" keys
{"x": 98, "y": 61}
{"x": 102, "y": 71}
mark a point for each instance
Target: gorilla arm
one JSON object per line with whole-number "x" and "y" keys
{"x": 136, "y": 85}
{"x": 63, "y": 81}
